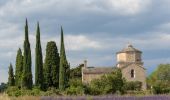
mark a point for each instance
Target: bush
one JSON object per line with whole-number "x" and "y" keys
{"x": 52, "y": 91}
{"x": 75, "y": 90}
{"x": 161, "y": 88}
{"x": 35, "y": 92}
{"x": 13, "y": 91}
{"x": 75, "y": 82}
{"x": 107, "y": 84}
{"x": 75, "y": 87}
{"x": 133, "y": 85}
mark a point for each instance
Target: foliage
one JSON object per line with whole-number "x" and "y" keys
{"x": 133, "y": 85}
{"x": 75, "y": 90}
{"x": 161, "y": 87}
{"x": 75, "y": 82}
{"x": 11, "y": 80}
{"x": 110, "y": 83}
{"x": 3, "y": 87}
{"x": 159, "y": 80}
{"x": 75, "y": 87}
{"x": 51, "y": 66}
{"x": 161, "y": 73}
{"x": 27, "y": 72}
{"x": 38, "y": 61}
{"x": 19, "y": 68}
{"x": 15, "y": 91}
{"x": 76, "y": 72}
{"x": 64, "y": 66}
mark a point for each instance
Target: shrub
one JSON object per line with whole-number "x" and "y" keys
{"x": 35, "y": 92}
{"x": 75, "y": 90}
{"x": 161, "y": 88}
{"x": 133, "y": 85}
{"x": 75, "y": 87}
{"x": 13, "y": 91}
{"x": 75, "y": 82}
{"x": 107, "y": 84}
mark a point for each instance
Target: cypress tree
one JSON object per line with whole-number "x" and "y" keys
{"x": 67, "y": 71}
{"x": 27, "y": 72}
{"x": 11, "y": 80}
{"x": 19, "y": 68}
{"x": 38, "y": 60}
{"x": 51, "y": 65}
{"x": 63, "y": 74}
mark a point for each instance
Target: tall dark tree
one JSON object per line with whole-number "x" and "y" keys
{"x": 11, "y": 80}
{"x": 67, "y": 73}
{"x": 64, "y": 66}
{"x": 51, "y": 65}
{"x": 38, "y": 60}
{"x": 27, "y": 72}
{"x": 19, "y": 68}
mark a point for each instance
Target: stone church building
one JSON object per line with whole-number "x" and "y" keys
{"x": 129, "y": 60}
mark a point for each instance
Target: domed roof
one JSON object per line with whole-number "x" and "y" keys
{"x": 129, "y": 48}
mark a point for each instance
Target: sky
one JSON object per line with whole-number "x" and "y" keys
{"x": 94, "y": 29}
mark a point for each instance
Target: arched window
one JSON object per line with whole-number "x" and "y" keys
{"x": 132, "y": 73}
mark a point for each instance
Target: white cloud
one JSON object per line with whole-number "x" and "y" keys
{"x": 4, "y": 75}
{"x": 147, "y": 41}
{"x": 128, "y": 7}
{"x": 80, "y": 42}
{"x": 26, "y": 7}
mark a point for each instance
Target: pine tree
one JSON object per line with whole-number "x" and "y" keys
{"x": 19, "y": 68}
{"x": 11, "y": 80}
{"x": 27, "y": 72}
{"x": 51, "y": 65}
{"x": 64, "y": 66}
{"x": 38, "y": 61}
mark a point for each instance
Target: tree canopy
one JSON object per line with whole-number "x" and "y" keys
{"x": 51, "y": 65}
{"x": 27, "y": 63}
{"x": 159, "y": 80}
{"x": 38, "y": 61}
{"x": 11, "y": 80}
{"x": 19, "y": 68}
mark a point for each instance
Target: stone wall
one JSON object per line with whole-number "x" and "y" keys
{"x": 87, "y": 78}
{"x": 140, "y": 74}
{"x": 129, "y": 57}
{"x": 121, "y": 57}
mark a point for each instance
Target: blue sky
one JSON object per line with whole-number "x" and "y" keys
{"x": 94, "y": 29}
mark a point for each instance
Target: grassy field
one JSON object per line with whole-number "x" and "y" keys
{"x": 6, "y": 97}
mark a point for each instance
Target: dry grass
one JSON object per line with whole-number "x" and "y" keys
{"x": 25, "y": 98}
{"x": 6, "y": 97}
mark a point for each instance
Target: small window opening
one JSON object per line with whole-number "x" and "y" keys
{"x": 132, "y": 73}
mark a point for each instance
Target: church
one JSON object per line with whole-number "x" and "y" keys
{"x": 129, "y": 60}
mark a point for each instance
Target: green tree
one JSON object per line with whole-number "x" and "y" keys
{"x": 64, "y": 66}
{"x": 109, "y": 83}
{"x": 160, "y": 79}
{"x": 11, "y": 80}
{"x": 27, "y": 72}
{"x": 51, "y": 66}
{"x": 67, "y": 74}
{"x": 161, "y": 73}
{"x": 76, "y": 72}
{"x": 38, "y": 60}
{"x": 19, "y": 68}
{"x": 133, "y": 85}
